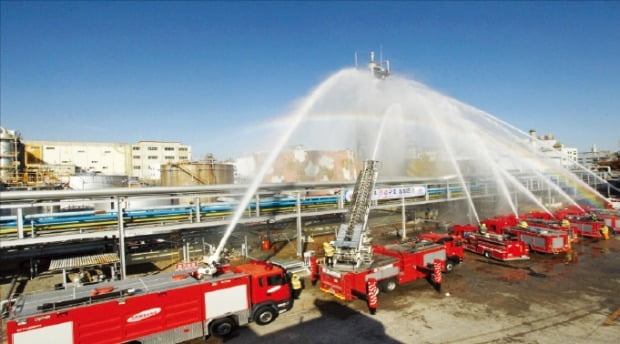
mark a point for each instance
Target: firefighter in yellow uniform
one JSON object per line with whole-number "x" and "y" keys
{"x": 483, "y": 229}
{"x": 605, "y": 232}
{"x": 523, "y": 224}
{"x": 571, "y": 236}
{"x": 329, "y": 253}
{"x": 297, "y": 285}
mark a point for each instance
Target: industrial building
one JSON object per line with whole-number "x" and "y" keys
{"x": 69, "y": 157}
{"x": 45, "y": 164}
{"x": 148, "y": 156}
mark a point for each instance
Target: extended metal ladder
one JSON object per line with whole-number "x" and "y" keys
{"x": 352, "y": 244}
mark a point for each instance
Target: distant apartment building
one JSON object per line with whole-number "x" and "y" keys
{"x": 141, "y": 160}
{"x": 148, "y": 156}
{"x": 548, "y": 145}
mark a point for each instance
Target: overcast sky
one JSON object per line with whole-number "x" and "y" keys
{"x": 181, "y": 71}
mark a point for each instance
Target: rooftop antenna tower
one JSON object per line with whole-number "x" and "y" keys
{"x": 379, "y": 69}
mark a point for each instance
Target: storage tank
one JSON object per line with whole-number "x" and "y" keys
{"x": 197, "y": 173}
{"x": 91, "y": 181}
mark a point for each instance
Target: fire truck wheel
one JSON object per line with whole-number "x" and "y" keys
{"x": 388, "y": 285}
{"x": 487, "y": 254}
{"x": 449, "y": 265}
{"x": 222, "y": 327}
{"x": 265, "y": 315}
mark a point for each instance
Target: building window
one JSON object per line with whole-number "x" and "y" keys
{"x": 107, "y": 152}
{"x": 136, "y": 167}
{"x": 136, "y": 148}
{"x": 169, "y": 148}
{"x": 168, "y": 157}
{"x": 81, "y": 151}
{"x": 136, "y": 157}
{"x": 94, "y": 161}
{"x": 50, "y": 148}
{"x": 105, "y": 167}
{"x": 182, "y": 158}
{"x": 183, "y": 149}
{"x": 152, "y": 148}
{"x": 152, "y": 157}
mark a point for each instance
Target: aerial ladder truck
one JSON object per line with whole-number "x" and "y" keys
{"x": 359, "y": 268}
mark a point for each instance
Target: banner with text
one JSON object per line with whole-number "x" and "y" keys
{"x": 407, "y": 191}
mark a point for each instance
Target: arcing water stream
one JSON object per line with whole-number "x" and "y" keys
{"x": 410, "y": 122}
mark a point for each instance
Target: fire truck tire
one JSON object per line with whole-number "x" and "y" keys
{"x": 388, "y": 285}
{"x": 487, "y": 254}
{"x": 222, "y": 327}
{"x": 449, "y": 265}
{"x": 265, "y": 315}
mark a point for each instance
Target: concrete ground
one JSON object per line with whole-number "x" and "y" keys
{"x": 548, "y": 299}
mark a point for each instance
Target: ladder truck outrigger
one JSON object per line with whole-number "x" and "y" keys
{"x": 359, "y": 269}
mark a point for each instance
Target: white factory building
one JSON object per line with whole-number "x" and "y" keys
{"x": 148, "y": 156}
{"x": 141, "y": 160}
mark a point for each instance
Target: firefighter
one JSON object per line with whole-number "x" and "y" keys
{"x": 571, "y": 236}
{"x": 329, "y": 253}
{"x": 605, "y": 232}
{"x": 483, "y": 229}
{"x": 523, "y": 224}
{"x": 297, "y": 285}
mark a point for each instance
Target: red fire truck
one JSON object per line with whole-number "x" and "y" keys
{"x": 167, "y": 308}
{"x": 586, "y": 221}
{"x": 498, "y": 223}
{"x": 543, "y": 240}
{"x": 587, "y": 226}
{"x": 393, "y": 265}
{"x": 611, "y": 218}
{"x": 539, "y": 239}
{"x": 453, "y": 245}
{"x": 554, "y": 224}
{"x": 502, "y": 247}
{"x": 358, "y": 269}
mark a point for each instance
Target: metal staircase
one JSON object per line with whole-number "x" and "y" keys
{"x": 352, "y": 244}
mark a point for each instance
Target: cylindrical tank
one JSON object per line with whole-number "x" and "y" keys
{"x": 91, "y": 181}
{"x": 197, "y": 173}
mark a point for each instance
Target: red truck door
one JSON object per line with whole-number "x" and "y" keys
{"x": 270, "y": 287}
